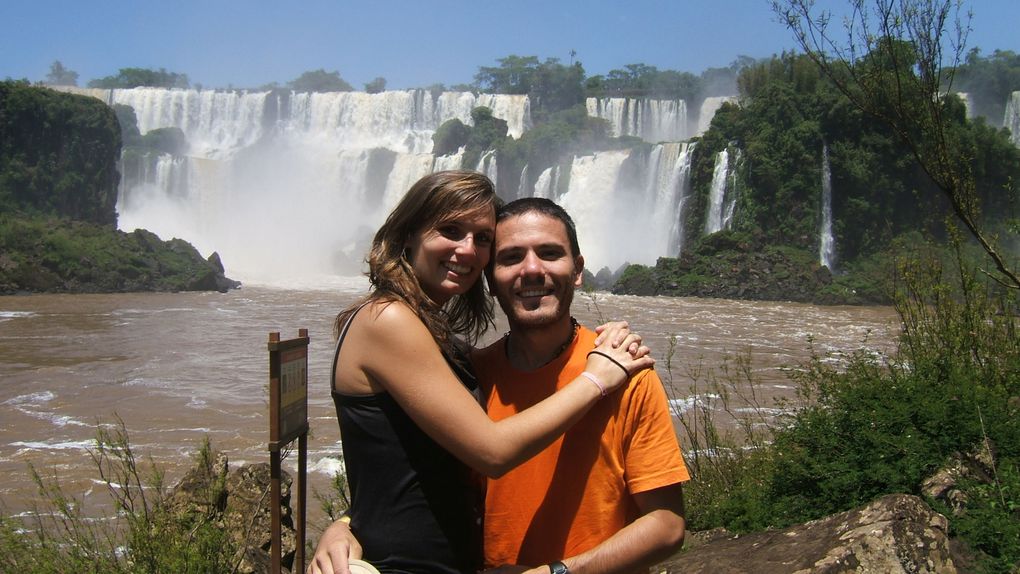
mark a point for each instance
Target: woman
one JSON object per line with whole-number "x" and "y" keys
{"x": 412, "y": 429}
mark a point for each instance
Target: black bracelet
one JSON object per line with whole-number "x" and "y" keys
{"x": 626, "y": 373}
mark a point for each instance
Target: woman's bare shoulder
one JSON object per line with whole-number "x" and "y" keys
{"x": 392, "y": 320}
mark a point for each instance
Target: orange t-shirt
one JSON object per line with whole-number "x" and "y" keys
{"x": 576, "y": 493}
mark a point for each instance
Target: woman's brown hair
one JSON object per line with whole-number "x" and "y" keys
{"x": 431, "y": 201}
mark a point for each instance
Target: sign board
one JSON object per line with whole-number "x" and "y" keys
{"x": 288, "y": 389}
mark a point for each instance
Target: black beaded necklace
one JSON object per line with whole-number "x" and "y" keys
{"x": 574, "y": 326}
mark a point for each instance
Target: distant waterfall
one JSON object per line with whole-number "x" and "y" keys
{"x": 605, "y": 225}
{"x": 547, "y": 183}
{"x": 522, "y": 185}
{"x": 487, "y": 165}
{"x": 708, "y": 109}
{"x": 827, "y": 244}
{"x": 1012, "y": 118}
{"x": 628, "y": 220}
{"x": 717, "y": 194}
{"x": 669, "y": 183}
{"x": 287, "y": 184}
{"x": 649, "y": 119}
{"x": 722, "y": 197}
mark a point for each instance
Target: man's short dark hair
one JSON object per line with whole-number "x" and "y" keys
{"x": 545, "y": 207}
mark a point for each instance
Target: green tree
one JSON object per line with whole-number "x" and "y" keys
{"x": 320, "y": 81}
{"x": 450, "y": 137}
{"x": 893, "y": 61}
{"x": 142, "y": 77}
{"x": 376, "y": 86}
{"x": 61, "y": 76}
{"x": 58, "y": 154}
{"x": 556, "y": 87}
{"x": 513, "y": 75}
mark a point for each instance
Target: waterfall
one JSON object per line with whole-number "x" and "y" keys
{"x": 634, "y": 219}
{"x": 522, "y": 186}
{"x": 708, "y": 109}
{"x": 487, "y": 165}
{"x": 606, "y": 227}
{"x": 649, "y": 119}
{"x": 827, "y": 245}
{"x": 214, "y": 122}
{"x": 669, "y": 185}
{"x": 1012, "y": 118}
{"x": 717, "y": 194}
{"x": 731, "y": 190}
{"x": 289, "y": 183}
{"x": 547, "y": 182}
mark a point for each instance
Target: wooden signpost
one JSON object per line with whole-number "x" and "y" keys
{"x": 288, "y": 420}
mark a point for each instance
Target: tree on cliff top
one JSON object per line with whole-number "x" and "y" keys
{"x": 320, "y": 81}
{"x": 61, "y": 76}
{"x": 142, "y": 77}
{"x": 895, "y": 60}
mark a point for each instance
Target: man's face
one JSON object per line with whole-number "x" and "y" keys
{"x": 534, "y": 273}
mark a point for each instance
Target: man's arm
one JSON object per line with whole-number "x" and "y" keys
{"x": 656, "y": 535}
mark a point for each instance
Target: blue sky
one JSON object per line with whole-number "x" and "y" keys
{"x": 221, "y": 43}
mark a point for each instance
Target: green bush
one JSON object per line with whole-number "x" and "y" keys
{"x": 876, "y": 425}
{"x": 148, "y": 535}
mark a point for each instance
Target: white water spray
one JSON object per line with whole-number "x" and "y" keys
{"x": 827, "y": 244}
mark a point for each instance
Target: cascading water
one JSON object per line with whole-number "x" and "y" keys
{"x": 731, "y": 190}
{"x": 717, "y": 194}
{"x": 669, "y": 183}
{"x": 827, "y": 244}
{"x": 650, "y": 120}
{"x": 629, "y": 221}
{"x": 547, "y": 182}
{"x": 1012, "y": 118}
{"x": 603, "y": 218}
{"x": 294, "y": 184}
{"x": 708, "y": 109}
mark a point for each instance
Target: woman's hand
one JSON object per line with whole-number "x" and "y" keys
{"x": 615, "y": 332}
{"x": 613, "y": 364}
{"x": 336, "y": 547}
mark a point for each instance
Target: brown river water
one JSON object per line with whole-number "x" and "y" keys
{"x": 177, "y": 367}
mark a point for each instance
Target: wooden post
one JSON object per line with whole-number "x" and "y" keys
{"x": 288, "y": 420}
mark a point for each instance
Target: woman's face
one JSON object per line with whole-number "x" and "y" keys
{"x": 449, "y": 257}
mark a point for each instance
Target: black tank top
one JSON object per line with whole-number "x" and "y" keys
{"x": 414, "y": 506}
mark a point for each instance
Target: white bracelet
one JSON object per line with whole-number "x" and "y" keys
{"x": 595, "y": 381}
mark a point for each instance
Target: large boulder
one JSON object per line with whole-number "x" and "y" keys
{"x": 894, "y": 534}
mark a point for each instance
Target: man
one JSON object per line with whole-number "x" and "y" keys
{"x": 606, "y": 497}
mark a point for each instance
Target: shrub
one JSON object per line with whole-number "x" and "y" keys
{"x": 148, "y": 534}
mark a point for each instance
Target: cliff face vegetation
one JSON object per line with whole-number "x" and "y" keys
{"x": 58, "y": 155}
{"x": 58, "y": 195}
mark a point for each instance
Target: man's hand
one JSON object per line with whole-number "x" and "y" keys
{"x": 336, "y": 547}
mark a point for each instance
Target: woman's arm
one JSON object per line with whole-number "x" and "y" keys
{"x": 395, "y": 351}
